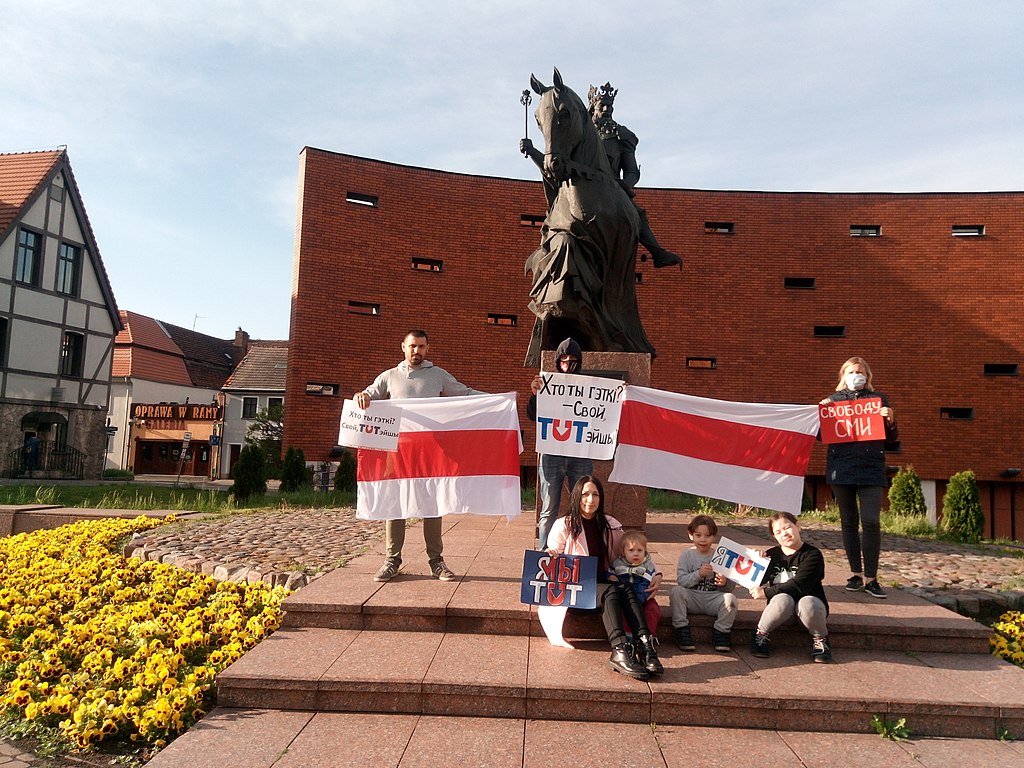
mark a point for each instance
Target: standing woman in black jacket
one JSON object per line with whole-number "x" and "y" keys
{"x": 856, "y": 473}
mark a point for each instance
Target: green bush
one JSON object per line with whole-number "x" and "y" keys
{"x": 294, "y": 475}
{"x": 905, "y": 495}
{"x": 345, "y": 477}
{"x": 118, "y": 474}
{"x": 250, "y": 474}
{"x": 961, "y": 508}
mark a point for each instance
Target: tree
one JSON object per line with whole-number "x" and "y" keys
{"x": 267, "y": 432}
{"x": 961, "y": 508}
{"x": 345, "y": 477}
{"x": 905, "y": 494}
{"x": 250, "y": 474}
{"x": 294, "y": 475}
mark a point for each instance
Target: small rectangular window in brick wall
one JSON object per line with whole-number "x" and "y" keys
{"x": 958, "y": 414}
{"x": 719, "y": 227}
{"x": 359, "y": 198}
{"x": 968, "y": 230}
{"x": 830, "y": 331}
{"x": 701, "y": 362}
{"x": 321, "y": 390}
{"x": 865, "y": 230}
{"x": 496, "y": 319}
{"x": 531, "y": 220}
{"x": 427, "y": 265}
{"x": 1000, "y": 369}
{"x": 798, "y": 282}
{"x": 639, "y": 278}
{"x": 363, "y": 308}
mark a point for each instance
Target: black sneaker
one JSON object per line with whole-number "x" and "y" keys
{"x": 684, "y": 639}
{"x": 821, "y": 650}
{"x": 759, "y": 646}
{"x": 388, "y": 571}
{"x": 721, "y": 640}
{"x": 855, "y": 584}
{"x": 874, "y": 589}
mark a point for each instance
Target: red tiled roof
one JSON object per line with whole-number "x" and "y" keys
{"x": 21, "y": 176}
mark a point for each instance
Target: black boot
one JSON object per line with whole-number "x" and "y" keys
{"x": 623, "y": 660}
{"x": 648, "y": 656}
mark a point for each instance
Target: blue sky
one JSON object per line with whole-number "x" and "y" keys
{"x": 184, "y": 120}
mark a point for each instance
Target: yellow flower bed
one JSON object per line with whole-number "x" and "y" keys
{"x": 1008, "y": 640}
{"x": 101, "y": 646}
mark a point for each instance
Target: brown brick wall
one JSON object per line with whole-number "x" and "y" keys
{"x": 926, "y": 309}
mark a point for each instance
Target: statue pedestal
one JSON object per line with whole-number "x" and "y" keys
{"x": 626, "y": 503}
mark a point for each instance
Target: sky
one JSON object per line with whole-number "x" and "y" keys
{"x": 184, "y": 120}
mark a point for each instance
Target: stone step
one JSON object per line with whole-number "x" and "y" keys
{"x": 486, "y": 601}
{"x": 520, "y": 676}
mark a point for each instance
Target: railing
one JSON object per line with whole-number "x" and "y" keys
{"x": 46, "y": 459}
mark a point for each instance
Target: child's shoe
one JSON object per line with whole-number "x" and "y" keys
{"x": 684, "y": 639}
{"x": 647, "y": 654}
{"x": 721, "y": 640}
{"x": 821, "y": 649}
{"x": 759, "y": 646}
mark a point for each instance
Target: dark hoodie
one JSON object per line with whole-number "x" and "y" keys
{"x": 567, "y": 347}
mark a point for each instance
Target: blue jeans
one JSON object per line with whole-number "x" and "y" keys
{"x": 552, "y": 472}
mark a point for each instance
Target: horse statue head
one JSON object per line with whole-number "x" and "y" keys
{"x": 571, "y": 142}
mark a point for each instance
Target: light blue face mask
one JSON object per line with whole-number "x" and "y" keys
{"x": 856, "y": 381}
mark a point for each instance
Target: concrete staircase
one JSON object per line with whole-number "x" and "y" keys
{"x": 469, "y": 648}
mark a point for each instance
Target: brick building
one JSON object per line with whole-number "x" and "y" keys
{"x": 777, "y": 291}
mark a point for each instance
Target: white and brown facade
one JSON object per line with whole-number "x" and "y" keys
{"x": 58, "y": 319}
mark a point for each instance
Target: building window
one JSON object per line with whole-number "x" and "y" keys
{"x": 3, "y": 341}
{"x": 321, "y": 390}
{"x": 701, "y": 362}
{"x": 363, "y": 308}
{"x": 358, "y": 198}
{"x": 249, "y": 406}
{"x": 719, "y": 227}
{"x": 956, "y": 413}
{"x": 865, "y": 230}
{"x": 427, "y": 265}
{"x": 830, "y": 331}
{"x": 638, "y": 277}
{"x": 28, "y": 257}
{"x": 68, "y": 269}
{"x": 968, "y": 230}
{"x": 275, "y": 402}
{"x": 996, "y": 369}
{"x": 495, "y": 319}
{"x": 71, "y": 354}
{"x": 531, "y": 220}
{"x": 798, "y": 282}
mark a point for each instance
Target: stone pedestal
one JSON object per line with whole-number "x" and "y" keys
{"x": 626, "y": 503}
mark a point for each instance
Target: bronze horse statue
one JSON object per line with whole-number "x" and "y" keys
{"x": 584, "y": 272}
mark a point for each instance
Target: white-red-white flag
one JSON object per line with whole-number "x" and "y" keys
{"x": 748, "y": 453}
{"x": 455, "y": 455}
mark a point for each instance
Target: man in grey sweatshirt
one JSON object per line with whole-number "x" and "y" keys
{"x": 413, "y": 377}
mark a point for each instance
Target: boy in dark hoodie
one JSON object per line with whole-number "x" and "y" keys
{"x": 552, "y": 471}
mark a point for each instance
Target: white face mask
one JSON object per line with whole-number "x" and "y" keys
{"x": 856, "y": 380}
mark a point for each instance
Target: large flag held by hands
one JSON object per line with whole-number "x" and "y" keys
{"x": 748, "y": 453}
{"x": 455, "y": 455}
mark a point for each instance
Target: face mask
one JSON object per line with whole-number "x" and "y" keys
{"x": 856, "y": 380}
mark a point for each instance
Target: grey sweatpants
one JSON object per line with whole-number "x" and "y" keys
{"x": 782, "y": 608}
{"x": 721, "y": 605}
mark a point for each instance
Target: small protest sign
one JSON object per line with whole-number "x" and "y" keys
{"x": 376, "y": 428}
{"x": 578, "y": 415}
{"x": 566, "y": 581}
{"x": 848, "y": 421}
{"x": 738, "y": 563}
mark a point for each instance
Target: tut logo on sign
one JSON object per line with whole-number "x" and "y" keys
{"x": 562, "y": 430}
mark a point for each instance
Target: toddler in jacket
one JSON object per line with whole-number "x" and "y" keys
{"x": 634, "y": 569}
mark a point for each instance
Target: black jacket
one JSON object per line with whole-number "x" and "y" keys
{"x": 796, "y": 575}
{"x": 859, "y": 463}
